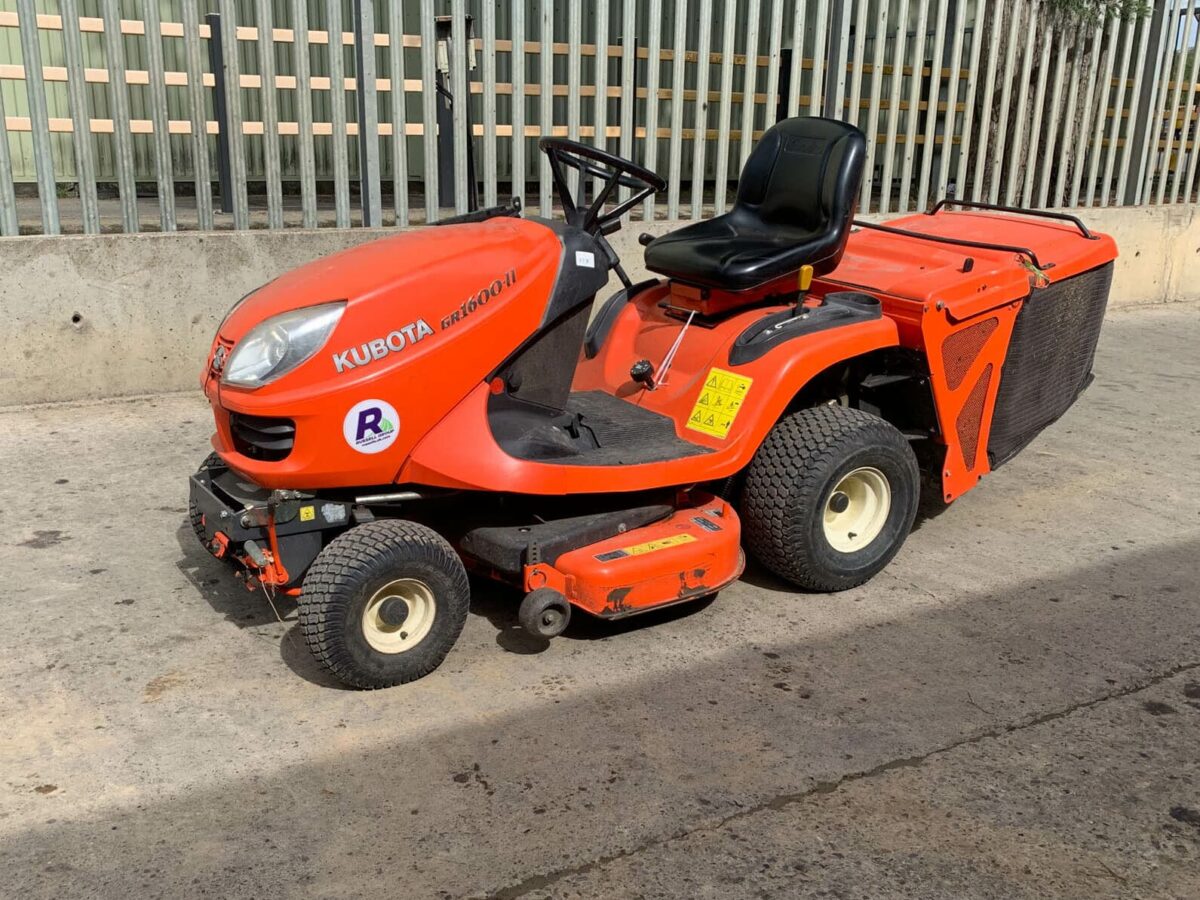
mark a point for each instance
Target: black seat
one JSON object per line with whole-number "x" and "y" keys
{"x": 795, "y": 202}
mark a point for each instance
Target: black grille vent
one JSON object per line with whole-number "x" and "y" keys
{"x": 1049, "y": 360}
{"x": 262, "y": 438}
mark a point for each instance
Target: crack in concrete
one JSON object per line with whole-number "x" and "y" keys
{"x": 820, "y": 788}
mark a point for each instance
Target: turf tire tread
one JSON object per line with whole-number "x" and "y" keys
{"x": 345, "y": 564}
{"x": 786, "y": 476}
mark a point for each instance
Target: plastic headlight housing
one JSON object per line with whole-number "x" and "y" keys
{"x": 274, "y": 347}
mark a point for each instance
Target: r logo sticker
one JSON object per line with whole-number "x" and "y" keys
{"x": 371, "y": 426}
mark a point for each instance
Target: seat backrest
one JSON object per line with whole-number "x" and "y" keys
{"x": 804, "y": 173}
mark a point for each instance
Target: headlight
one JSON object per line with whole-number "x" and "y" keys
{"x": 273, "y": 348}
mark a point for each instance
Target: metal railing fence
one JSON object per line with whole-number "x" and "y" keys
{"x": 132, "y": 114}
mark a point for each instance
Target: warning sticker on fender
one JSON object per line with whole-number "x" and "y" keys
{"x": 719, "y": 401}
{"x": 648, "y": 547}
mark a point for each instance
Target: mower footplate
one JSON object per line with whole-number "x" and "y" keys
{"x": 693, "y": 553}
{"x": 507, "y": 548}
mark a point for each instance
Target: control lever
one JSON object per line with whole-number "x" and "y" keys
{"x": 670, "y": 357}
{"x": 614, "y": 261}
{"x": 803, "y": 284}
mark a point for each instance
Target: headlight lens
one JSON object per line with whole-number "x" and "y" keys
{"x": 273, "y": 348}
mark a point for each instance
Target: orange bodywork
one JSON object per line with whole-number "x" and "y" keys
{"x": 390, "y": 285}
{"x": 692, "y": 553}
{"x": 961, "y": 321}
{"x": 481, "y": 292}
{"x": 455, "y": 455}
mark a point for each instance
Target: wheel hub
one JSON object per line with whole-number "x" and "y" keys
{"x": 857, "y": 509}
{"x": 399, "y": 615}
{"x": 393, "y": 612}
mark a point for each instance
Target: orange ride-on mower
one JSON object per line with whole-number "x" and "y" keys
{"x": 435, "y": 403}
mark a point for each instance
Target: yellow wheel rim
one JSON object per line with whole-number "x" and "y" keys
{"x": 857, "y": 509}
{"x": 415, "y": 602}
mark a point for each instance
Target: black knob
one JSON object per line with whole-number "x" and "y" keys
{"x": 645, "y": 238}
{"x": 642, "y": 372}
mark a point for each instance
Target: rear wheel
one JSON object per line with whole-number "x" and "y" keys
{"x": 830, "y": 497}
{"x": 384, "y": 603}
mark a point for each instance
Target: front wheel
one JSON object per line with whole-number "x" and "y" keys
{"x": 384, "y": 603}
{"x": 830, "y": 497}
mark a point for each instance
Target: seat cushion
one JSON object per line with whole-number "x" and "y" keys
{"x": 716, "y": 253}
{"x": 795, "y": 203}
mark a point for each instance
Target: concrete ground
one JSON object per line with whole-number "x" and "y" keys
{"x": 1012, "y": 709}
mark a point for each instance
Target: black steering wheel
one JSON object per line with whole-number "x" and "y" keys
{"x": 612, "y": 170}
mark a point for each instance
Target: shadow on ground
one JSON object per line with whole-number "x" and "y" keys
{"x": 545, "y": 784}
{"x": 216, "y": 582}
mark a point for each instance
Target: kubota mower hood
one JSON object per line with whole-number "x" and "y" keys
{"x": 362, "y": 352}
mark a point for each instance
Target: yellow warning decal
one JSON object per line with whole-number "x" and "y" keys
{"x": 719, "y": 401}
{"x": 307, "y": 513}
{"x": 648, "y": 547}
{"x": 660, "y": 544}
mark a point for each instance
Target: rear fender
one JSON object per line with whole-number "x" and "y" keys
{"x": 783, "y": 375}
{"x": 771, "y": 382}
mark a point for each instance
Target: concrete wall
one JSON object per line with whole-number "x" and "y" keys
{"x": 113, "y": 315}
